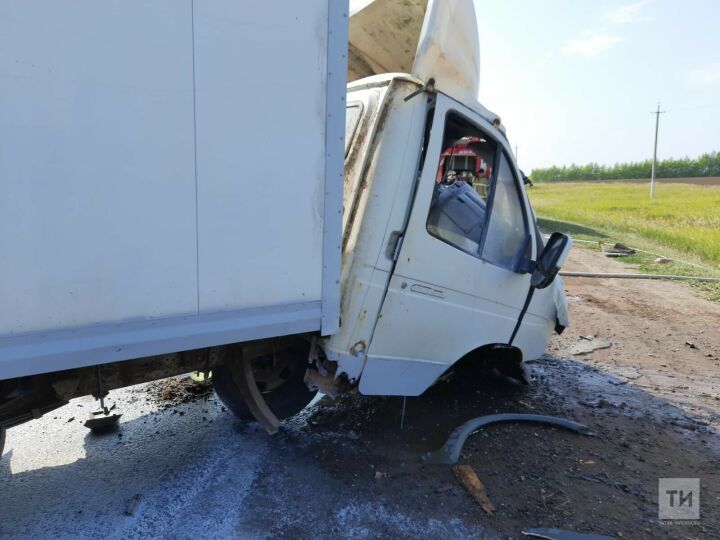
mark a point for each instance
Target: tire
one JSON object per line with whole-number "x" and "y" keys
{"x": 286, "y": 394}
{"x": 2, "y": 440}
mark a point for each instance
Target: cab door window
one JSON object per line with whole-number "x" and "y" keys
{"x": 476, "y": 205}
{"x": 459, "y": 205}
{"x": 506, "y": 234}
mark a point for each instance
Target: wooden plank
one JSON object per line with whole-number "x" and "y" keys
{"x": 472, "y": 484}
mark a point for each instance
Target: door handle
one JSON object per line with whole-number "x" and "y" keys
{"x": 429, "y": 291}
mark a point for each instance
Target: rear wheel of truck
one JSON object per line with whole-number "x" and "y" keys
{"x": 278, "y": 367}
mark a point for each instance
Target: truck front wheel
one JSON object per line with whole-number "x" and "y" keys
{"x": 278, "y": 367}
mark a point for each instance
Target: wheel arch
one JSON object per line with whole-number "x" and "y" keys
{"x": 497, "y": 360}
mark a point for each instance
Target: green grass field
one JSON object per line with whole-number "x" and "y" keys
{"x": 681, "y": 222}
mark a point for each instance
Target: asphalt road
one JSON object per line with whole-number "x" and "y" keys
{"x": 190, "y": 471}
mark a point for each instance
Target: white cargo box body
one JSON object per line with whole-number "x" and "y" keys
{"x": 170, "y": 176}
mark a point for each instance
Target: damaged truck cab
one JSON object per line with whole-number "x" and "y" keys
{"x": 439, "y": 238}
{"x": 434, "y": 267}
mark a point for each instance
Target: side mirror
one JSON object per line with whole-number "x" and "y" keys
{"x": 550, "y": 260}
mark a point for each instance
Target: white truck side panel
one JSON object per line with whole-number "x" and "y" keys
{"x": 97, "y": 184}
{"x": 260, "y": 114}
{"x": 167, "y": 169}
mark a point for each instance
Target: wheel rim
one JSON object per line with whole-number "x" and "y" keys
{"x": 272, "y": 370}
{"x": 278, "y": 370}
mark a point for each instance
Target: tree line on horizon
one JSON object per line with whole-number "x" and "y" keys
{"x": 702, "y": 166}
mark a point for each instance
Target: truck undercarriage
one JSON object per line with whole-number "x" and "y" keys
{"x": 260, "y": 380}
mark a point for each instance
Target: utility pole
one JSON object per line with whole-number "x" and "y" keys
{"x": 654, "y": 161}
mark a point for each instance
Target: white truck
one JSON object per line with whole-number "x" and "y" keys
{"x": 190, "y": 186}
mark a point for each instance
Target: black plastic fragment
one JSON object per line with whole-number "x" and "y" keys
{"x": 449, "y": 453}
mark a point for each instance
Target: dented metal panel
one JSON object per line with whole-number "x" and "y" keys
{"x": 473, "y": 303}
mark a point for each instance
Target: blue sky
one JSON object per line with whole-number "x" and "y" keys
{"x": 575, "y": 81}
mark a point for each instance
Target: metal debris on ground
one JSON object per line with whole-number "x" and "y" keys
{"x": 622, "y": 247}
{"x": 103, "y": 419}
{"x": 561, "y": 534}
{"x": 449, "y": 453}
{"x": 659, "y": 259}
{"x": 472, "y": 484}
{"x": 619, "y": 250}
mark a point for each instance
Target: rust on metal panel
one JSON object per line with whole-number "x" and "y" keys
{"x": 359, "y": 347}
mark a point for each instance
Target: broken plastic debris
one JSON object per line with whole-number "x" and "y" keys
{"x": 449, "y": 453}
{"x": 561, "y": 534}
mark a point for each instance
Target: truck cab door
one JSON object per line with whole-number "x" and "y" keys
{"x": 457, "y": 283}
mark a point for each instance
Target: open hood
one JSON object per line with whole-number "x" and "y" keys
{"x": 429, "y": 39}
{"x": 384, "y": 36}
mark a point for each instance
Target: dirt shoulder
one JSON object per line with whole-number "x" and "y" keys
{"x": 650, "y": 398}
{"x": 665, "y": 337}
